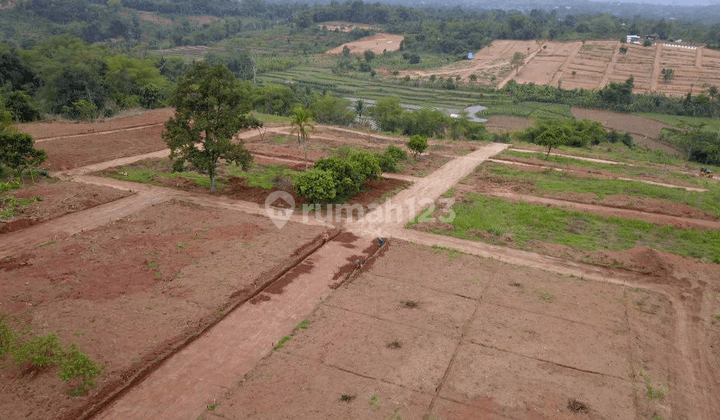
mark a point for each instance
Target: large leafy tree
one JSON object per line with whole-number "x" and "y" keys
{"x": 554, "y": 137}
{"x": 211, "y": 106}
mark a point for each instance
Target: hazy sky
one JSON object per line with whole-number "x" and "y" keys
{"x": 668, "y": 2}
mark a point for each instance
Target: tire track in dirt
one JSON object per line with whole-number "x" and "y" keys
{"x": 699, "y": 57}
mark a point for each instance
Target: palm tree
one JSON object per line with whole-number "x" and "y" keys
{"x": 359, "y": 108}
{"x": 302, "y": 123}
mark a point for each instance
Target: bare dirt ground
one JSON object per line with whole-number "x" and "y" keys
{"x": 645, "y": 131}
{"x": 129, "y": 291}
{"x": 419, "y": 331}
{"x": 427, "y": 333}
{"x": 43, "y": 130}
{"x": 490, "y": 65}
{"x": 70, "y": 145}
{"x": 590, "y": 65}
{"x": 377, "y": 43}
{"x": 505, "y": 124}
{"x": 623, "y": 122}
{"x": 80, "y": 151}
{"x": 57, "y": 199}
{"x": 345, "y": 26}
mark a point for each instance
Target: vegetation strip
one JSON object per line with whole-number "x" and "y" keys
{"x": 526, "y": 223}
{"x": 552, "y": 181}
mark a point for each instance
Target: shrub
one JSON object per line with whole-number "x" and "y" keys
{"x": 387, "y": 163}
{"x": 18, "y": 152}
{"x": 475, "y": 132}
{"x": 329, "y": 109}
{"x": 316, "y": 185}
{"x": 397, "y": 153}
{"x": 365, "y": 163}
{"x": 20, "y": 105}
{"x": 7, "y": 338}
{"x": 38, "y": 351}
{"x": 347, "y": 179}
{"x": 76, "y": 365}
{"x": 628, "y": 141}
{"x": 417, "y": 144}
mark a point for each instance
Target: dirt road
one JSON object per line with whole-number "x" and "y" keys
{"x": 407, "y": 204}
{"x": 188, "y": 382}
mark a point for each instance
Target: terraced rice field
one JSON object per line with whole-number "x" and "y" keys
{"x": 593, "y": 65}
{"x": 373, "y": 88}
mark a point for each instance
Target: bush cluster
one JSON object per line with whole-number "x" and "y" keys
{"x": 577, "y": 133}
{"x": 41, "y": 352}
{"x": 334, "y": 178}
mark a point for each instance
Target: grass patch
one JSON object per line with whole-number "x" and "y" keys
{"x": 654, "y": 392}
{"x": 10, "y": 206}
{"x": 620, "y": 153}
{"x": 636, "y": 170}
{"x": 282, "y": 342}
{"x": 303, "y": 325}
{"x": 36, "y": 353}
{"x": 150, "y": 171}
{"x": 453, "y": 254}
{"x": 553, "y": 181}
{"x": 265, "y": 177}
{"x": 533, "y": 110}
{"x": 545, "y": 295}
{"x": 712, "y": 124}
{"x": 527, "y": 223}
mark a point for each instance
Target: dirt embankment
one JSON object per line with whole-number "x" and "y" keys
{"x": 377, "y": 43}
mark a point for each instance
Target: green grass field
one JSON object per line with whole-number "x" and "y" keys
{"x": 527, "y": 223}
{"x": 637, "y": 170}
{"x": 364, "y": 86}
{"x": 712, "y": 124}
{"x": 150, "y": 170}
{"x": 533, "y": 110}
{"x": 553, "y": 181}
